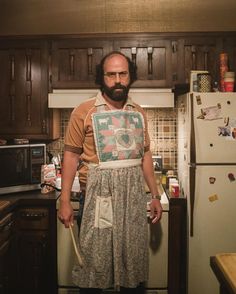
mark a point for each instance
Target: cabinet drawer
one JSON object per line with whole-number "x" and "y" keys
{"x": 33, "y": 218}
{"x": 6, "y": 227}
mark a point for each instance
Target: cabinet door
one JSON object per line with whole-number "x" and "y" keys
{"x": 7, "y": 254}
{"x": 33, "y": 262}
{"x": 74, "y": 62}
{"x": 36, "y": 249}
{"x": 24, "y": 89}
{"x": 4, "y": 269}
{"x": 197, "y": 53}
{"x": 153, "y": 58}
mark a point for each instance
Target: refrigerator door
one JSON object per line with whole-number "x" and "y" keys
{"x": 214, "y": 224}
{"x": 213, "y": 133}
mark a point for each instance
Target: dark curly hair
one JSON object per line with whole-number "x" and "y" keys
{"x": 99, "y": 80}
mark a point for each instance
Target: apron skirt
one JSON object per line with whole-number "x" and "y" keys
{"x": 113, "y": 237}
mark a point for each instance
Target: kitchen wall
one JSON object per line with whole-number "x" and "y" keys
{"x": 162, "y": 130}
{"x": 22, "y": 17}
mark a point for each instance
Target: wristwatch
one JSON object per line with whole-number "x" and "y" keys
{"x": 156, "y": 197}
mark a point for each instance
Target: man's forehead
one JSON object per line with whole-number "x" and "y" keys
{"x": 115, "y": 58}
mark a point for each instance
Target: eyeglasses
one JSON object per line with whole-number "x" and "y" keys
{"x": 112, "y": 74}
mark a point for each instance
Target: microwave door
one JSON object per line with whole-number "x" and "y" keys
{"x": 14, "y": 166}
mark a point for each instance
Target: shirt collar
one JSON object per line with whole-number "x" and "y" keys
{"x": 100, "y": 100}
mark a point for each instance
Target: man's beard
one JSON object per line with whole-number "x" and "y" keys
{"x": 113, "y": 94}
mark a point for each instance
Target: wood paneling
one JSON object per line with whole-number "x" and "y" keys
{"x": 27, "y": 17}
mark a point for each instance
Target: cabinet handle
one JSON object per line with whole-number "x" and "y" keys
{"x": 150, "y": 51}
{"x": 174, "y": 46}
{"x": 34, "y": 215}
{"x": 12, "y": 58}
{"x": 44, "y": 125}
{"x": 134, "y": 54}
{"x": 72, "y": 64}
{"x": 193, "y": 50}
{"x": 90, "y": 56}
{"x": 28, "y": 67}
{"x": 206, "y": 60}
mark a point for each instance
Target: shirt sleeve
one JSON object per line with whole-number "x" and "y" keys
{"x": 75, "y": 134}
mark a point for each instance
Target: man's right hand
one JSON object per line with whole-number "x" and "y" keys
{"x": 66, "y": 213}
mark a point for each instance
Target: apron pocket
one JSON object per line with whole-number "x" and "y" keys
{"x": 103, "y": 213}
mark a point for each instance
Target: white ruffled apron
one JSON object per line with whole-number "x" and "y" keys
{"x": 113, "y": 238}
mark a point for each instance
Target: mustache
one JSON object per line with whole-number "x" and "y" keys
{"x": 118, "y": 86}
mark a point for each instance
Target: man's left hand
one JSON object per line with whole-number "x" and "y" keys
{"x": 155, "y": 210}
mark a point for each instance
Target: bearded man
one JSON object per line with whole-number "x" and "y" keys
{"x": 108, "y": 134}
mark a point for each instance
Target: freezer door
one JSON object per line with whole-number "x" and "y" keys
{"x": 214, "y": 127}
{"x": 214, "y": 224}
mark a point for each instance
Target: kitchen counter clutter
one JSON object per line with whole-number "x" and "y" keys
{"x": 224, "y": 267}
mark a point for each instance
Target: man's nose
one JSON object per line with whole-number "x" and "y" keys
{"x": 117, "y": 78}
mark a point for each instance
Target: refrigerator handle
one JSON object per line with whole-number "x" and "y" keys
{"x": 192, "y": 133}
{"x": 192, "y": 180}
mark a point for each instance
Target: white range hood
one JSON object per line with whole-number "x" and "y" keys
{"x": 148, "y": 98}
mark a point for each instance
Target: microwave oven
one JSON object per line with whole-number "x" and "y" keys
{"x": 20, "y": 167}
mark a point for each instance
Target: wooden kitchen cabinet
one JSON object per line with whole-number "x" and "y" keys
{"x": 36, "y": 249}
{"x": 7, "y": 254}
{"x": 74, "y": 61}
{"x": 162, "y": 61}
{"x": 24, "y": 109}
{"x": 153, "y": 58}
{"x": 197, "y": 52}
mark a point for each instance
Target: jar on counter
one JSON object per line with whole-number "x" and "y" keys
{"x": 170, "y": 175}
{"x": 229, "y": 77}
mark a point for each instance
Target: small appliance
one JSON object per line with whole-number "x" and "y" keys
{"x": 20, "y": 167}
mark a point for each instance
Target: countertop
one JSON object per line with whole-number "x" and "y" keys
{"x": 10, "y": 201}
{"x": 224, "y": 267}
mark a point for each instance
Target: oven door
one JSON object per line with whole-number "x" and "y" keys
{"x": 66, "y": 257}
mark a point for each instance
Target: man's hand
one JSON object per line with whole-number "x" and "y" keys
{"x": 155, "y": 210}
{"x": 66, "y": 213}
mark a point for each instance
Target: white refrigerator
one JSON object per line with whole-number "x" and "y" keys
{"x": 207, "y": 172}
